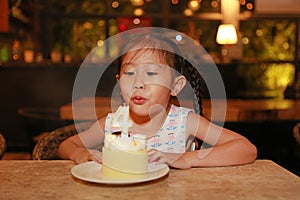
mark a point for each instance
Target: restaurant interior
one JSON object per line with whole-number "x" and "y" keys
{"x": 255, "y": 45}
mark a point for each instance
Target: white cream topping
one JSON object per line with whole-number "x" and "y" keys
{"x": 122, "y": 141}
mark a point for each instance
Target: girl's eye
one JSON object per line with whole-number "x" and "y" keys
{"x": 129, "y": 73}
{"x": 151, "y": 73}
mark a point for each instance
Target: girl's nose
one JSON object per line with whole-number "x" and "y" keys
{"x": 141, "y": 86}
{"x": 139, "y": 82}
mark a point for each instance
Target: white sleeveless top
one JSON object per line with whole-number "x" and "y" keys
{"x": 171, "y": 137}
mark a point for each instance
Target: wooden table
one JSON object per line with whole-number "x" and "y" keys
{"x": 237, "y": 109}
{"x": 53, "y": 180}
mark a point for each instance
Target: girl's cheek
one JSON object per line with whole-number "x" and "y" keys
{"x": 126, "y": 92}
{"x": 125, "y": 85}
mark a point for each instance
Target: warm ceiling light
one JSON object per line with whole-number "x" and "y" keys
{"x": 194, "y": 5}
{"x": 188, "y": 12}
{"x": 226, "y": 34}
{"x": 243, "y": 2}
{"x": 137, "y": 2}
{"x": 249, "y": 6}
{"x": 136, "y": 21}
{"x": 214, "y": 4}
{"x": 88, "y": 25}
{"x": 115, "y": 4}
{"x": 138, "y": 12}
{"x": 175, "y": 2}
{"x": 100, "y": 43}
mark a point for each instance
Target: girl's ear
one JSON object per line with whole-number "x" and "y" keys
{"x": 179, "y": 83}
{"x": 117, "y": 77}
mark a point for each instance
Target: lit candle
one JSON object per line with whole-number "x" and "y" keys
{"x": 126, "y": 122}
{"x": 121, "y": 119}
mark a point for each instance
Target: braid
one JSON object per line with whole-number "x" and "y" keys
{"x": 196, "y": 81}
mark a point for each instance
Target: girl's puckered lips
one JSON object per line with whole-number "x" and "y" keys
{"x": 139, "y": 100}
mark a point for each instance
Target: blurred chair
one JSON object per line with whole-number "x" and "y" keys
{"x": 296, "y": 133}
{"x": 40, "y": 119}
{"x": 48, "y": 143}
{"x": 2, "y": 145}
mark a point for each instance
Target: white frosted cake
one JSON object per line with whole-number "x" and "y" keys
{"x": 124, "y": 155}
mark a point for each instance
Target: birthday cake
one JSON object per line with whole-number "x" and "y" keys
{"x": 124, "y": 155}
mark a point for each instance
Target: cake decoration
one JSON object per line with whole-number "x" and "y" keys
{"x": 124, "y": 154}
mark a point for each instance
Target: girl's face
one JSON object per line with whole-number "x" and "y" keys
{"x": 146, "y": 82}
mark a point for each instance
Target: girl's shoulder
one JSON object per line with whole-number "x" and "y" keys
{"x": 177, "y": 113}
{"x": 180, "y": 109}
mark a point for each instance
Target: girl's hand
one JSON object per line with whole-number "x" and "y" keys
{"x": 176, "y": 160}
{"x": 84, "y": 155}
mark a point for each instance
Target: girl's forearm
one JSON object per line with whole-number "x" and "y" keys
{"x": 68, "y": 149}
{"x": 235, "y": 152}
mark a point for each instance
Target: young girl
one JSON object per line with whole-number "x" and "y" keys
{"x": 149, "y": 75}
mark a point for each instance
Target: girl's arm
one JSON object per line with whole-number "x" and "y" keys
{"x": 84, "y": 146}
{"x": 228, "y": 147}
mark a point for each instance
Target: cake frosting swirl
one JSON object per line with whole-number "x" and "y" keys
{"x": 122, "y": 142}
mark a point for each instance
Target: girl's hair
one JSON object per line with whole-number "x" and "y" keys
{"x": 167, "y": 51}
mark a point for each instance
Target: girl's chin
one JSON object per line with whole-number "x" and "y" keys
{"x": 140, "y": 111}
{"x": 134, "y": 105}
{"x": 145, "y": 111}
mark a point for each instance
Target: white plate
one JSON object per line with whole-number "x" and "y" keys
{"x": 92, "y": 172}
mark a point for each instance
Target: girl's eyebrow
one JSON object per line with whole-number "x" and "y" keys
{"x": 145, "y": 63}
{"x": 124, "y": 64}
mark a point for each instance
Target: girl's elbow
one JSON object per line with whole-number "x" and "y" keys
{"x": 61, "y": 151}
{"x": 254, "y": 152}
{"x": 251, "y": 153}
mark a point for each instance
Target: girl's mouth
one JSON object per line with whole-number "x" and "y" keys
{"x": 139, "y": 100}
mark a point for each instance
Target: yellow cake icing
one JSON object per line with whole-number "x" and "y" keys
{"x": 124, "y": 165}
